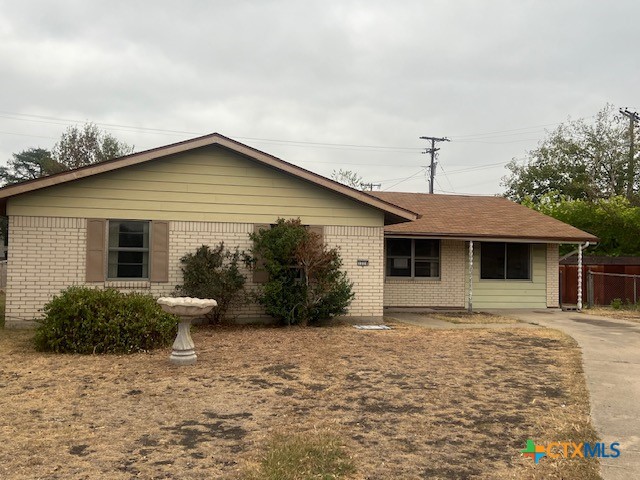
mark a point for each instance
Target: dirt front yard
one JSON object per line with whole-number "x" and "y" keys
{"x": 407, "y": 403}
{"x": 471, "y": 318}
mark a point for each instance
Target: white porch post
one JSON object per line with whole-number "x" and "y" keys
{"x": 470, "y": 308}
{"x": 580, "y": 248}
{"x": 579, "y": 306}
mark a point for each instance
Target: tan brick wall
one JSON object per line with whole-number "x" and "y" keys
{"x": 447, "y": 291}
{"x": 365, "y": 243}
{"x": 47, "y": 254}
{"x": 553, "y": 276}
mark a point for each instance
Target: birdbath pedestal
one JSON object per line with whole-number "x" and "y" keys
{"x": 186, "y": 308}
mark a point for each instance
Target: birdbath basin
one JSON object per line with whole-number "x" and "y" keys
{"x": 186, "y": 308}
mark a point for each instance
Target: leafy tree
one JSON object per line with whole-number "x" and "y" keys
{"x": 578, "y": 160}
{"x": 614, "y": 220}
{"x": 305, "y": 282}
{"x": 213, "y": 273}
{"x": 29, "y": 164}
{"x": 78, "y": 147}
{"x": 349, "y": 178}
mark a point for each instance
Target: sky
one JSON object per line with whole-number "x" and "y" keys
{"x": 325, "y": 85}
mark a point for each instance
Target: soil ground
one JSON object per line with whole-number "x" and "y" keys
{"x": 407, "y": 403}
{"x": 631, "y": 315}
{"x": 471, "y": 318}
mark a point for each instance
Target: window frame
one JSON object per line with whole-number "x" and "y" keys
{"x": 412, "y": 259}
{"x": 146, "y": 250}
{"x": 504, "y": 268}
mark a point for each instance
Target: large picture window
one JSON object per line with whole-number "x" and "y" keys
{"x": 505, "y": 261}
{"x": 408, "y": 257}
{"x": 128, "y": 249}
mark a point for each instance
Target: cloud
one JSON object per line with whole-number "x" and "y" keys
{"x": 363, "y": 73}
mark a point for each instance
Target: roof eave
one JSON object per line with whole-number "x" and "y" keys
{"x": 495, "y": 238}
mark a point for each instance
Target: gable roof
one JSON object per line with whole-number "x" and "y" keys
{"x": 392, "y": 212}
{"x": 476, "y": 217}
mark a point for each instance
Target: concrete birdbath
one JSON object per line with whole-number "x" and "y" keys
{"x": 187, "y": 309}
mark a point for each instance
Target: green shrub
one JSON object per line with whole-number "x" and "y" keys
{"x": 213, "y": 273}
{"x": 305, "y": 282}
{"x": 616, "y": 303}
{"x": 86, "y": 320}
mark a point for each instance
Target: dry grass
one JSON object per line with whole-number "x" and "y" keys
{"x": 631, "y": 315}
{"x": 405, "y": 403}
{"x": 472, "y": 318}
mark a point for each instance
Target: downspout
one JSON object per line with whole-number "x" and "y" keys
{"x": 580, "y": 247}
{"x": 470, "y": 308}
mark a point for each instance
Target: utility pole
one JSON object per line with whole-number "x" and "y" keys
{"x": 368, "y": 187}
{"x": 432, "y": 151}
{"x": 631, "y": 167}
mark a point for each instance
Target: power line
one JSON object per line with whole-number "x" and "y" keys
{"x": 405, "y": 179}
{"x": 499, "y": 143}
{"x": 447, "y": 177}
{"x": 515, "y": 129}
{"x": 488, "y": 165}
{"x": 65, "y": 121}
{"x": 465, "y": 138}
{"x": 25, "y": 135}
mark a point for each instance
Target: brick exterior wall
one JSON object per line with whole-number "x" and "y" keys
{"x": 447, "y": 291}
{"x": 47, "y": 254}
{"x": 364, "y": 243}
{"x": 553, "y": 275}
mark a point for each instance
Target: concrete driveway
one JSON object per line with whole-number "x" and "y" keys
{"x": 611, "y": 355}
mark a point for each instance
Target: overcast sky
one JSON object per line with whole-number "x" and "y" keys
{"x": 324, "y": 85}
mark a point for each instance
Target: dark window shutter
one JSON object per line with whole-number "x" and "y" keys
{"x": 159, "y": 251}
{"x": 96, "y": 238}
{"x": 260, "y": 275}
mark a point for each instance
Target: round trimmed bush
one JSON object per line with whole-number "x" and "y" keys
{"x": 86, "y": 320}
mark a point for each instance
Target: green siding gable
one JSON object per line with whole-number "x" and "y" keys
{"x": 211, "y": 184}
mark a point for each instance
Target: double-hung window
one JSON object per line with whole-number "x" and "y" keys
{"x": 414, "y": 258}
{"x": 128, "y": 249}
{"x": 505, "y": 261}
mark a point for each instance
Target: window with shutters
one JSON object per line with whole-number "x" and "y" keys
{"x": 128, "y": 256}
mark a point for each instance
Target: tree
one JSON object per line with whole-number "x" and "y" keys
{"x": 578, "y": 160}
{"x": 305, "y": 282}
{"x": 349, "y": 178}
{"x": 78, "y": 147}
{"x": 614, "y": 220}
{"x": 29, "y": 164}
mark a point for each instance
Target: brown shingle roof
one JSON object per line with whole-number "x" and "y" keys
{"x": 478, "y": 217}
